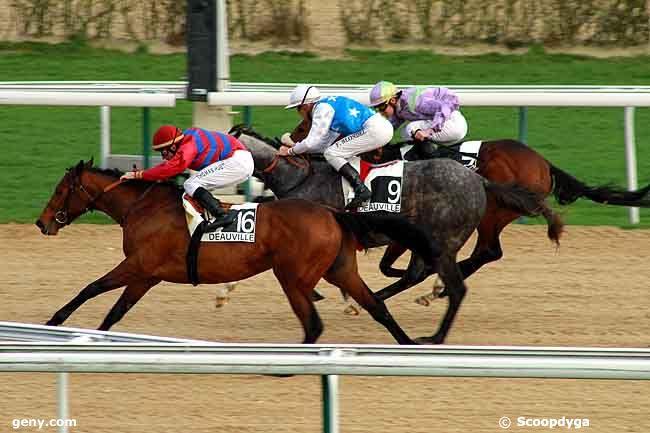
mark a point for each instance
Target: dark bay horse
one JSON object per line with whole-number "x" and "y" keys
{"x": 440, "y": 195}
{"x": 510, "y": 161}
{"x": 300, "y": 240}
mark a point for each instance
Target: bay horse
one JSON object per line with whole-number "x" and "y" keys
{"x": 440, "y": 195}
{"x": 300, "y": 240}
{"x": 504, "y": 161}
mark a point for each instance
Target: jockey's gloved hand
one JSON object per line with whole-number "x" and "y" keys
{"x": 286, "y": 140}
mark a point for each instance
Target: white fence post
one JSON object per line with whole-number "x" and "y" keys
{"x": 105, "y": 134}
{"x": 62, "y": 394}
{"x": 630, "y": 158}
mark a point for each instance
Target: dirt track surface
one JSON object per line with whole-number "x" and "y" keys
{"x": 593, "y": 291}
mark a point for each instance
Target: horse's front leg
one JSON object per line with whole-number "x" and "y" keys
{"x": 416, "y": 272}
{"x": 392, "y": 253}
{"x": 118, "y": 277}
{"x": 131, "y": 295}
{"x": 453, "y": 279}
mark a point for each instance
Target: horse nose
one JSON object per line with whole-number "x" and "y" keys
{"x": 40, "y": 225}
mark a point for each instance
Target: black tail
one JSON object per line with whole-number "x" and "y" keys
{"x": 396, "y": 227}
{"x": 567, "y": 189}
{"x": 526, "y": 202}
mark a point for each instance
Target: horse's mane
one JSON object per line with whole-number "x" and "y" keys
{"x": 245, "y": 129}
{"x": 274, "y": 142}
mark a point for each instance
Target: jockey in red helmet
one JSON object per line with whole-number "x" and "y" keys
{"x": 218, "y": 159}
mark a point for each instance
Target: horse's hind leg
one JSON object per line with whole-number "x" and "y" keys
{"x": 298, "y": 292}
{"x": 455, "y": 286}
{"x": 346, "y": 277}
{"x": 487, "y": 248}
{"x": 131, "y": 295}
{"x": 118, "y": 277}
{"x": 392, "y": 253}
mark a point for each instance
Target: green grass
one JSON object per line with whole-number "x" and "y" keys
{"x": 38, "y": 143}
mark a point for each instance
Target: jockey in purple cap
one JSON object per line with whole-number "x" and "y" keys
{"x": 432, "y": 114}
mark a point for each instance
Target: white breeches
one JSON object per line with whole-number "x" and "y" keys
{"x": 452, "y": 131}
{"x": 229, "y": 171}
{"x": 376, "y": 132}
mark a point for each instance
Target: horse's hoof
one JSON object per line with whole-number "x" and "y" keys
{"x": 221, "y": 297}
{"x": 315, "y": 296}
{"x": 422, "y": 300}
{"x": 429, "y": 340}
{"x": 220, "y": 302}
{"x": 351, "y": 310}
{"x": 438, "y": 292}
{"x": 439, "y": 288}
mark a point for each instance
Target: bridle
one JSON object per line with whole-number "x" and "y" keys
{"x": 61, "y": 216}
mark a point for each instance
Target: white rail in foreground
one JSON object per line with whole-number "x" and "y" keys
{"x": 118, "y": 352}
{"x": 459, "y": 361}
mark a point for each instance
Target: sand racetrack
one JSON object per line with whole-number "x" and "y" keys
{"x": 593, "y": 291}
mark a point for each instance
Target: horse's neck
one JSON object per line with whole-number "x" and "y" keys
{"x": 322, "y": 185}
{"x": 262, "y": 152}
{"x": 119, "y": 200}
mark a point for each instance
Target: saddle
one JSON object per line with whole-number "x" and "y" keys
{"x": 465, "y": 153}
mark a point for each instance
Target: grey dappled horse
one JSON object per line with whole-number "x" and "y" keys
{"x": 440, "y": 195}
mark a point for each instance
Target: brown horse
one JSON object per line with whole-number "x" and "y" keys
{"x": 504, "y": 161}
{"x": 301, "y": 241}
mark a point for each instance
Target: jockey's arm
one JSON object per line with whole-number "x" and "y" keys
{"x": 167, "y": 169}
{"x": 428, "y": 105}
{"x": 319, "y": 134}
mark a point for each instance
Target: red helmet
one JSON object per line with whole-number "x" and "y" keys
{"x": 167, "y": 135}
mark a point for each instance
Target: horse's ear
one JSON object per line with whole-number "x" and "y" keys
{"x": 236, "y": 130}
{"x": 79, "y": 167}
{"x": 90, "y": 163}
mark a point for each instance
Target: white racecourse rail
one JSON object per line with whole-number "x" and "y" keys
{"x": 110, "y": 354}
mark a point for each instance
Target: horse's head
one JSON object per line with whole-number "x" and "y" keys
{"x": 69, "y": 200}
{"x": 301, "y": 131}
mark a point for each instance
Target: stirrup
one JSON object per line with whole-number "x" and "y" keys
{"x": 221, "y": 221}
{"x": 357, "y": 201}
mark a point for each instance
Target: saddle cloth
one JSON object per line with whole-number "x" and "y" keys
{"x": 194, "y": 217}
{"x": 384, "y": 180}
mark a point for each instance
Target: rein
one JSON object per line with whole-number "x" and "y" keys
{"x": 291, "y": 160}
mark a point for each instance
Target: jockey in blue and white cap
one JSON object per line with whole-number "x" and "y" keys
{"x": 341, "y": 128}
{"x": 432, "y": 113}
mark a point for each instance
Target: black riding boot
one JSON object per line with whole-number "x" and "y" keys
{"x": 212, "y": 205}
{"x": 425, "y": 149}
{"x": 361, "y": 192}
